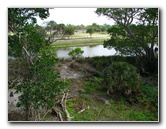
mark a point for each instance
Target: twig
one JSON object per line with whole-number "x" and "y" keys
{"x": 83, "y": 110}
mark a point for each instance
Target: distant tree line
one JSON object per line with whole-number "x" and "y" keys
{"x": 52, "y": 30}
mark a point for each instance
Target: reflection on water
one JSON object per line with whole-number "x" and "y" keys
{"x": 89, "y": 51}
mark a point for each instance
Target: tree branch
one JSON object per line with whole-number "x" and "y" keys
{"x": 28, "y": 55}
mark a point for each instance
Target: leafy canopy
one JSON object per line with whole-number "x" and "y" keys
{"x": 135, "y": 32}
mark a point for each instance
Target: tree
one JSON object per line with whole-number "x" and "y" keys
{"x": 96, "y": 27}
{"x": 55, "y": 31}
{"x": 41, "y": 30}
{"x": 51, "y": 26}
{"x": 103, "y": 29}
{"x": 80, "y": 28}
{"x": 76, "y": 53}
{"x": 107, "y": 26}
{"x": 38, "y": 81}
{"x": 69, "y": 30}
{"x": 90, "y": 30}
{"x": 22, "y": 23}
{"x": 135, "y": 33}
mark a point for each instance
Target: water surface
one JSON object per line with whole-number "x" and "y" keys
{"x": 89, "y": 51}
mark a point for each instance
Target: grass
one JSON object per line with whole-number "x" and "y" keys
{"x": 80, "y": 42}
{"x": 118, "y": 110}
{"x": 114, "y": 112}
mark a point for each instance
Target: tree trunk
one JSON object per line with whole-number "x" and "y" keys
{"x": 150, "y": 62}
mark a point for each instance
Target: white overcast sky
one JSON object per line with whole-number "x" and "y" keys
{"x": 76, "y": 16}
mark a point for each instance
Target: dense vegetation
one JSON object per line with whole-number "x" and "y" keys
{"x": 40, "y": 85}
{"x": 117, "y": 88}
{"x": 135, "y": 38}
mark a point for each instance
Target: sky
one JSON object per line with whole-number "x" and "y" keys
{"x": 76, "y": 16}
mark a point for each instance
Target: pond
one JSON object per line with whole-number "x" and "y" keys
{"x": 89, "y": 51}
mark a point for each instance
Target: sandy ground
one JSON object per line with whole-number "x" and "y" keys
{"x": 12, "y": 101}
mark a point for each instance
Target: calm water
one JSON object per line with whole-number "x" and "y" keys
{"x": 89, "y": 51}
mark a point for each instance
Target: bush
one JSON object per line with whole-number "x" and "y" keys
{"x": 76, "y": 53}
{"x": 122, "y": 78}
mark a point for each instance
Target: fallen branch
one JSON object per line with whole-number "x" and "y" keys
{"x": 63, "y": 105}
{"x": 83, "y": 110}
{"x": 60, "y": 116}
{"x": 68, "y": 115}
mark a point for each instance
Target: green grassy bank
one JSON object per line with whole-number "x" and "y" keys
{"x": 80, "y": 42}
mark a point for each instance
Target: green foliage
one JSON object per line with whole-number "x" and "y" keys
{"x": 43, "y": 84}
{"x": 140, "y": 116}
{"x": 134, "y": 38}
{"x": 90, "y": 87}
{"x": 76, "y": 53}
{"x": 40, "y": 84}
{"x": 90, "y": 30}
{"x": 113, "y": 112}
{"x": 121, "y": 77}
{"x": 22, "y": 23}
{"x": 51, "y": 25}
{"x": 69, "y": 30}
{"x": 126, "y": 45}
{"x": 19, "y": 17}
{"x": 150, "y": 97}
{"x": 103, "y": 28}
{"x": 30, "y": 38}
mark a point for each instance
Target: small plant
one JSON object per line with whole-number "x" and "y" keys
{"x": 76, "y": 53}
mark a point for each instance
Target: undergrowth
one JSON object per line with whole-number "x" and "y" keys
{"x": 118, "y": 110}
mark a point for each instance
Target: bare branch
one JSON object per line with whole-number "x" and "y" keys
{"x": 28, "y": 55}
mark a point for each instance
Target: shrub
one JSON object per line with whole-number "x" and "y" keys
{"x": 122, "y": 78}
{"x": 76, "y": 53}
